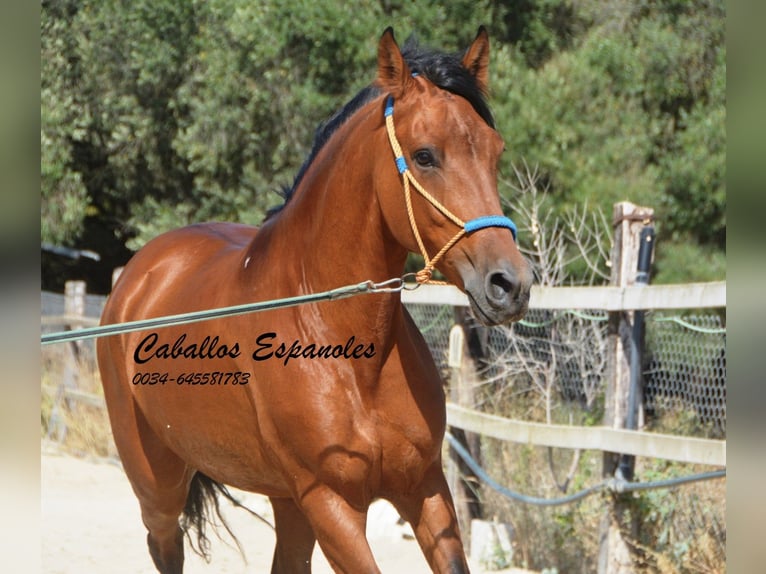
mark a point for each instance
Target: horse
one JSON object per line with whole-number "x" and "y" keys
{"x": 328, "y": 406}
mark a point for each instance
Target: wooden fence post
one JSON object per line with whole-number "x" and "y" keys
{"x": 116, "y": 272}
{"x": 74, "y": 298}
{"x": 74, "y": 309}
{"x": 463, "y": 483}
{"x": 618, "y": 522}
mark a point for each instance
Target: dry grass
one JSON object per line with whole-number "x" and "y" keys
{"x": 75, "y": 421}
{"x": 683, "y": 529}
{"x": 680, "y": 530}
{"x": 561, "y": 537}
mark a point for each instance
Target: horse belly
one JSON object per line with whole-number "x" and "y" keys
{"x": 216, "y": 436}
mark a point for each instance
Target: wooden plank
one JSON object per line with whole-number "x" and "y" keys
{"x": 69, "y": 320}
{"x": 681, "y": 449}
{"x": 87, "y": 398}
{"x": 686, "y": 296}
{"x": 436, "y": 295}
{"x": 682, "y": 296}
{"x": 607, "y": 298}
{"x": 77, "y": 395}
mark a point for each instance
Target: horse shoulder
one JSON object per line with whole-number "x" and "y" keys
{"x": 193, "y": 257}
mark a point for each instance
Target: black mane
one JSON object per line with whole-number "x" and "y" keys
{"x": 444, "y": 70}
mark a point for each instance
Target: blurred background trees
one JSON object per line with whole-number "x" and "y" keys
{"x": 155, "y": 114}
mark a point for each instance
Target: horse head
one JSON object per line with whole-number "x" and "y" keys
{"x": 438, "y": 189}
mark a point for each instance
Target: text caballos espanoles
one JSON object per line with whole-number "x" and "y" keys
{"x": 267, "y": 347}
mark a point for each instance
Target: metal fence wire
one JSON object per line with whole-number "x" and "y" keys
{"x": 550, "y": 366}
{"x": 562, "y": 357}
{"x": 53, "y": 304}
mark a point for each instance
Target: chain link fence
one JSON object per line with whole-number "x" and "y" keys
{"x": 551, "y": 367}
{"x": 548, "y": 368}
{"x": 561, "y": 356}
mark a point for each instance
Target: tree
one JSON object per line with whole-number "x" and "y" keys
{"x": 631, "y": 107}
{"x": 64, "y": 195}
{"x": 157, "y": 114}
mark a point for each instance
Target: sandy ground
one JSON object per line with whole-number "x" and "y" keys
{"x": 90, "y": 523}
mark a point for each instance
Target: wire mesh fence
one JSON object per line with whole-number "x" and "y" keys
{"x": 560, "y": 357}
{"x": 551, "y": 367}
{"x": 548, "y": 368}
{"x": 685, "y": 375}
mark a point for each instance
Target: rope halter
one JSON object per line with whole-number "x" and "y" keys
{"x": 424, "y": 275}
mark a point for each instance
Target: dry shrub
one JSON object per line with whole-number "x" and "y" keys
{"x": 680, "y": 530}
{"x": 554, "y": 373}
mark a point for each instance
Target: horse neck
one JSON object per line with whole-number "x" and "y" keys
{"x": 331, "y": 232}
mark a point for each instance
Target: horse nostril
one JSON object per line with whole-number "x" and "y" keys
{"x": 500, "y": 284}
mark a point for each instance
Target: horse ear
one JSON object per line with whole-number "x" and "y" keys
{"x": 476, "y": 59}
{"x": 393, "y": 71}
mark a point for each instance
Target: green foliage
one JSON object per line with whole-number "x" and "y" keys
{"x": 683, "y": 259}
{"x": 695, "y": 172}
{"x": 539, "y": 28}
{"x": 571, "y": 120}
{"x": 64, "y": 197}
{"x": 158, "y": 113}
{"x": 633, "y": 109}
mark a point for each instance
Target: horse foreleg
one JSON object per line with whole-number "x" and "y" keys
{"x": 295, "y": 539}
{"x": 430, "y": 511}
{"x": 340, "y": 530}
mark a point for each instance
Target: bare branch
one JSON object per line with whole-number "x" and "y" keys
{"x": 560, "y": 358}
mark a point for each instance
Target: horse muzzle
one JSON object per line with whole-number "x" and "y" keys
{"x": 500, "y": 295}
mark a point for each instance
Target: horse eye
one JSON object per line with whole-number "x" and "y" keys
{"x": 424, "y": 158}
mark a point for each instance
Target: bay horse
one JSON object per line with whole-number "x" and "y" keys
{"x": 328, "y": 406}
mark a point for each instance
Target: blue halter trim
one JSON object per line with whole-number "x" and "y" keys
{"x": 389, "y": 106}
{"x": 490, "y": 221}
{"x": 401, "y": 163}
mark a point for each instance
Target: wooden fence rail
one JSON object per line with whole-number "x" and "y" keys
{"x": 630, "y": 442}
{"x": 637, "y": 443}
{"x": 608, "y": 298}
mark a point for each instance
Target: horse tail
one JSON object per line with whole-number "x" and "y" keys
{"x": 202, "y": 507}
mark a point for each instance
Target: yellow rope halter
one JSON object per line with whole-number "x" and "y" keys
{"x": 424, "y": 275}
